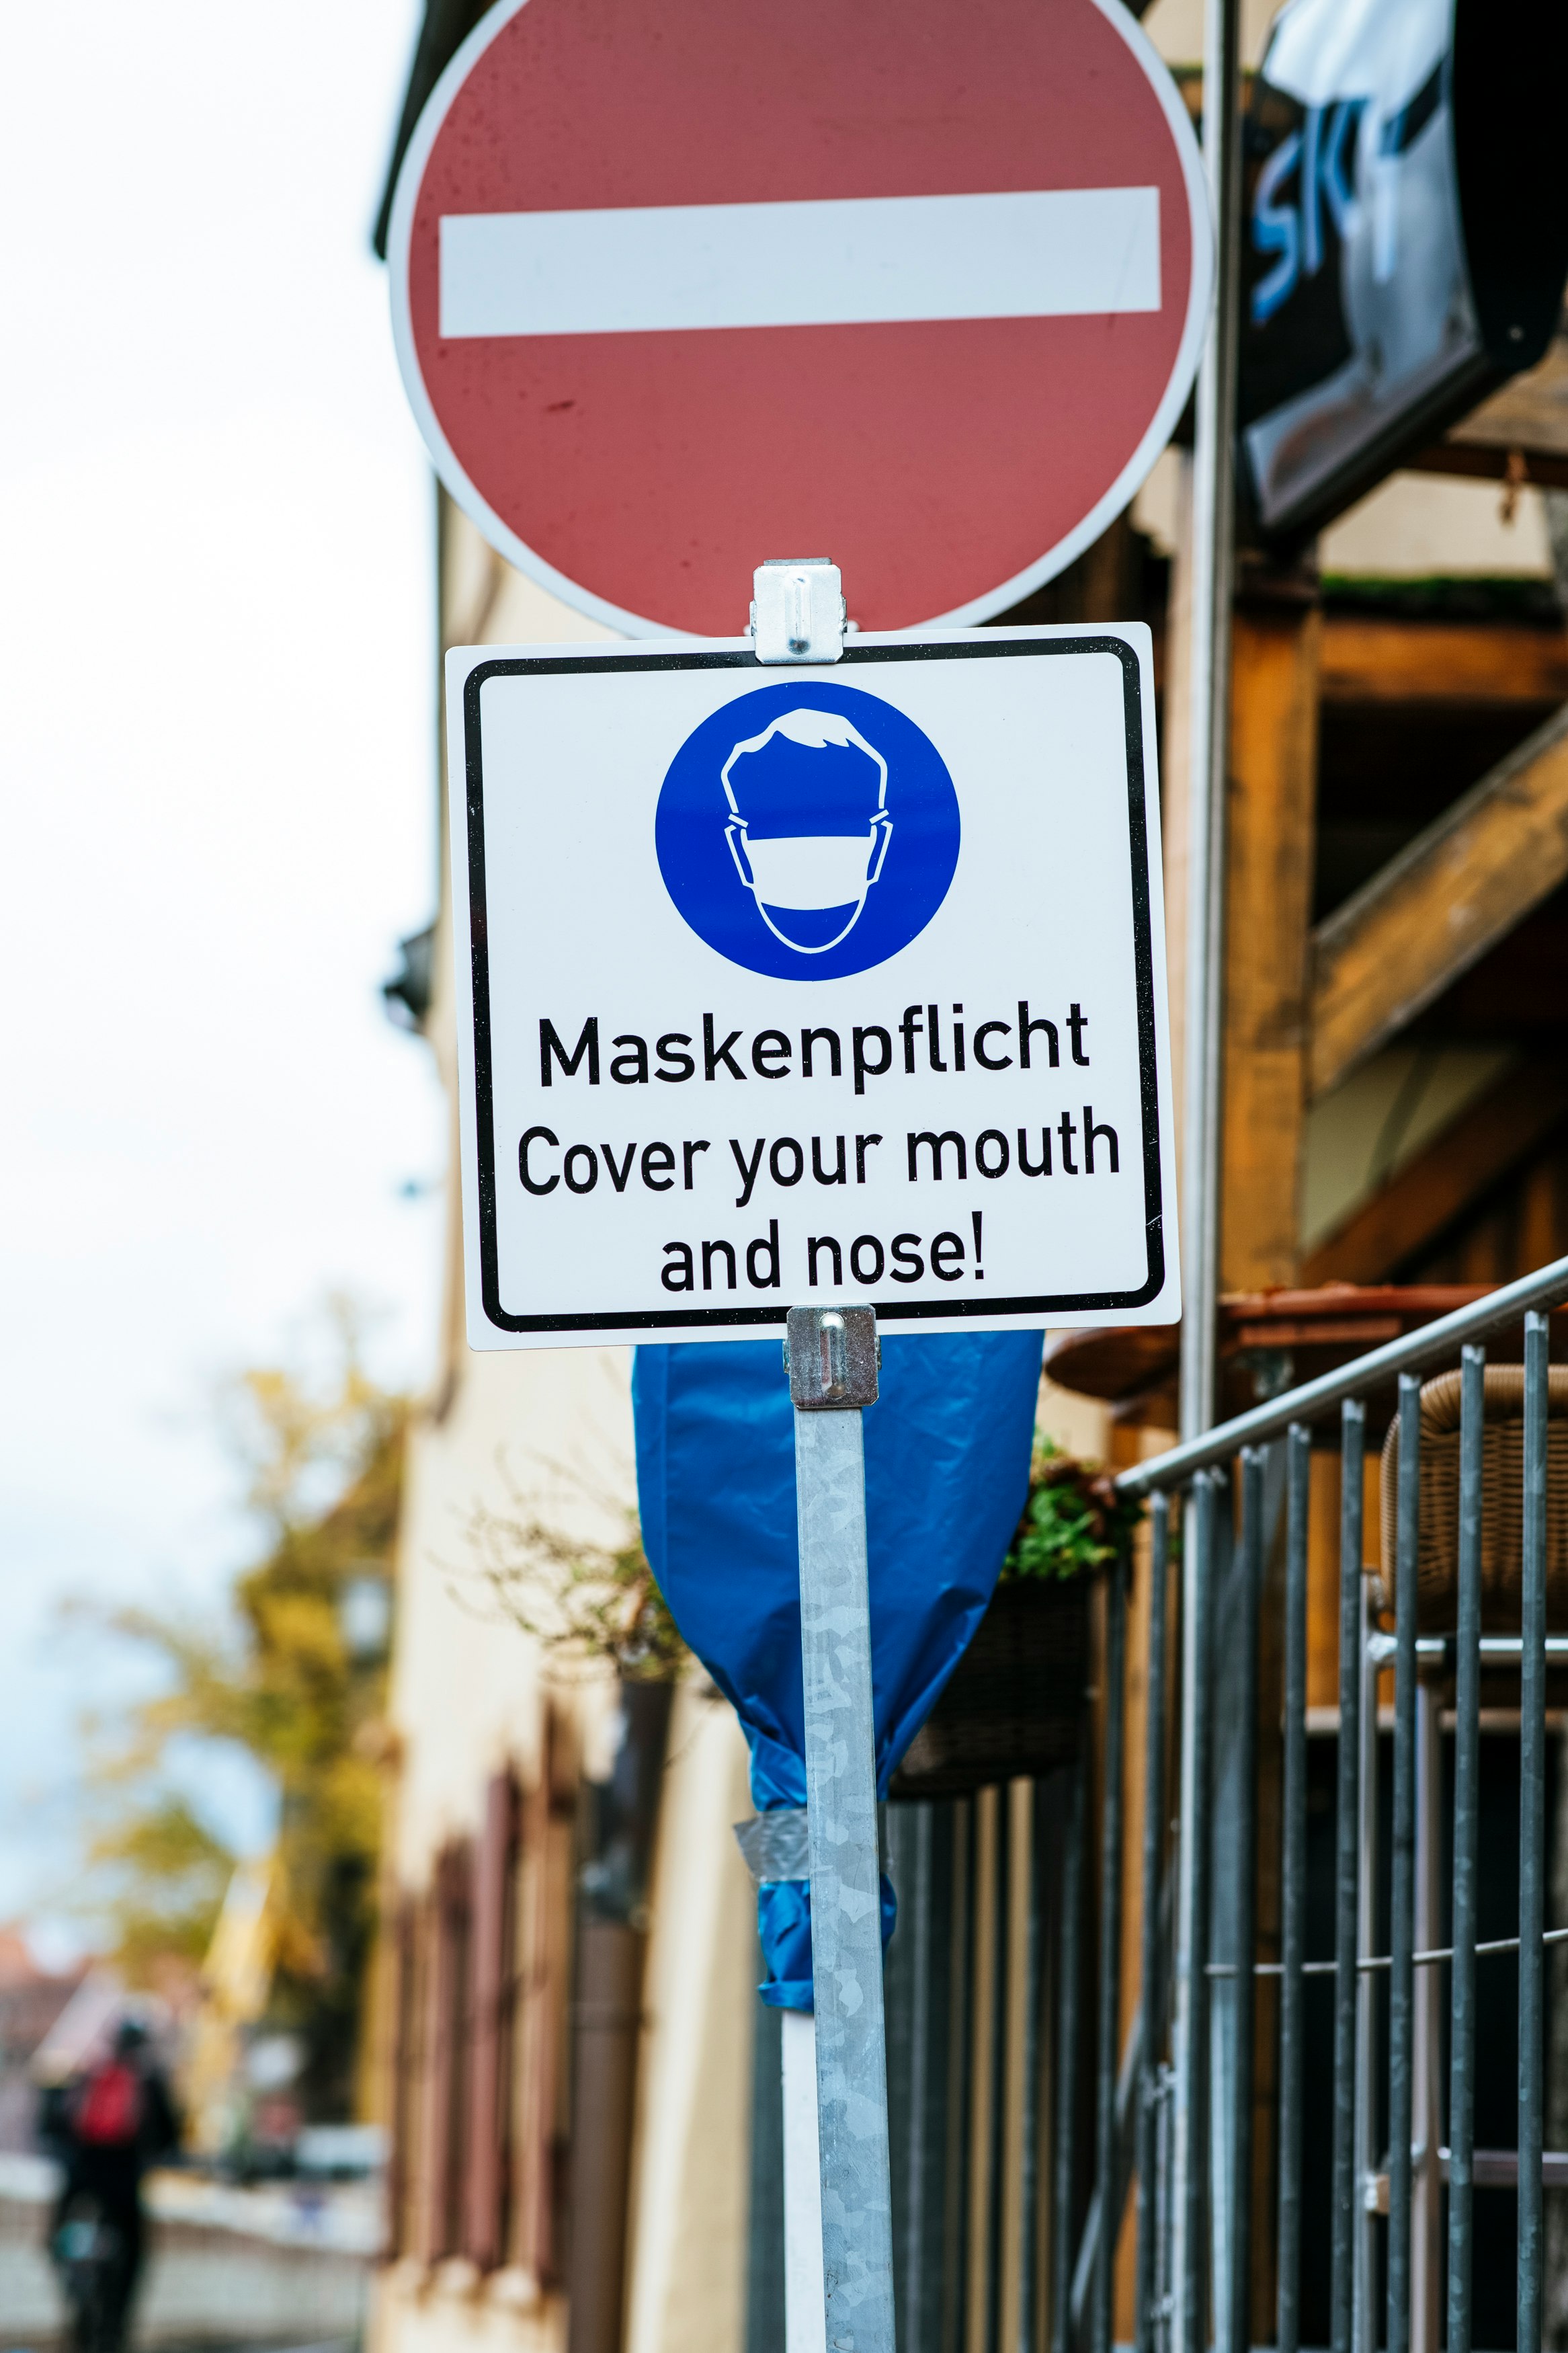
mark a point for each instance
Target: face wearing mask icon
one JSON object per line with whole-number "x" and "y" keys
{"x": 808, "y": 828}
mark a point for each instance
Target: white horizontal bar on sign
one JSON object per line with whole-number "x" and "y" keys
{"x": 1041, "y": 253}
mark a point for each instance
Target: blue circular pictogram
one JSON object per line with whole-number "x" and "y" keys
{"x": 807, "y": 831}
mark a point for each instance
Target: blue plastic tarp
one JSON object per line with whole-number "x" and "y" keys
{"x": 947, "y": 1467}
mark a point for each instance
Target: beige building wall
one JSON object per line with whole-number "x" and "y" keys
{"x": 546, "y": 1436}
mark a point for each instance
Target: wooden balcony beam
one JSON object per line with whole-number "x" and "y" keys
{"x": 1473, "y": 1153}
{"x": 1373, "y": 662}
{"x": 1269, "y": 884}
{"x": 1434, "y": 911}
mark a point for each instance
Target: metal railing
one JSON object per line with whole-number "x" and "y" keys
{"x": 1196, "y": 2226}
{"x": 1038, "y": 2084}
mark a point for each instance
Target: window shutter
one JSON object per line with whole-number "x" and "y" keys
{"x": 490, "y": 2043}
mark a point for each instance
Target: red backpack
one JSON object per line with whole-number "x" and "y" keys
{"x": 109, "y": 2107}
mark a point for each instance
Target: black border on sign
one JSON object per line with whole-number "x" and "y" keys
{"x": 889, "y": 1311}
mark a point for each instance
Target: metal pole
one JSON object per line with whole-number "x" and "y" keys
{"x": 1347, "y": 1883}
{"x": 1108, "y": 2020}
{"x": 960, "y": 2251}
{"x": 1427, "y": 2101}
{"x": 1293, "y": 1889}
{"x": 1244, "y": 1634}
{"x": 832, "y": 1355}
{"x": 1189, "y": 2311}
{"x": 1145, "y": 2322}
{"x": 1365, "y": 2316}
{"x": 996, "y": 2155}
{"x": 1426, "y": 2108}
{"x": 1064, "y": 2089}
{"x": 1213, "y": 563}
{"x": 1041, "y": 1849}
{"x": 1467, "y": 1775}
{"x": 915, "y": 2263}
{"x": 1402, "y": 1900}
{"x": 1531, "y": 1832}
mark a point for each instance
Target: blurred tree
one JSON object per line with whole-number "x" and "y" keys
{"x": 297, "y": 1680}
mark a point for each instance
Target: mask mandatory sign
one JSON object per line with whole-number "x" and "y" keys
{"x": 833, "y": 983}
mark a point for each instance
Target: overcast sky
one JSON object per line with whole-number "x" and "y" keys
{"x": 216, "y": 698}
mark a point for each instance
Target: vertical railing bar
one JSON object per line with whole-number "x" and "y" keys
{"x": 1293, "y": 1888}
{"x": 1065, "y": 2070}
{"x": 919, "y": 2055}
{"x": 1110, "y": 1951}
{"x": 1467, "y": 1769}
{"x": 1366, "y": 2316}
{"x": 961, "y": 2081}
{"x": 1532, "y": 1828}
{"x": 1192, "y": 2050}
{"x": 1034, "y": 2046}
{"x": 1152, "y": 1991}
{"x": 1426, "y": 2197}
{"x": 997, "y": 2156}
{"x": 1341, "y": 2245}
{"x": 1402, "y": 1915}
{"x": 1244, "y": 1633}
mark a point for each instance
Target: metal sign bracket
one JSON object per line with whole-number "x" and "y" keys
{"x": 798, "y": 613}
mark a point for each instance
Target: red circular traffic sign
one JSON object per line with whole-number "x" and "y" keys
{"x": 916, "y": 285}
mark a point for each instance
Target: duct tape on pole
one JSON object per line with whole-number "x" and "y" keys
{"x": 918, "y": 285}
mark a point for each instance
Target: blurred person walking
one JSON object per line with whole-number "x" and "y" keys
{"x": 106, "y": 2126}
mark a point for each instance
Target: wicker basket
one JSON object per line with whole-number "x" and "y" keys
{"x": 1014, "y": 1704}
{"x": 1502, "y": 1501}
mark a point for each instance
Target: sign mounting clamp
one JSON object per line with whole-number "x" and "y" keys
{"x": 798, "y": 613}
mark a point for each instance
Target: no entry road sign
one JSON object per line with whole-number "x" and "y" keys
{"x": 832, "y": 983}
{"x": 921, "y": 282}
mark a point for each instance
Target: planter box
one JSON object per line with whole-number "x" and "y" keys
{"x": 1015, "y": 1705}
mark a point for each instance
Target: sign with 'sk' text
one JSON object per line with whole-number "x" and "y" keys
{"x": 838, "y": 982}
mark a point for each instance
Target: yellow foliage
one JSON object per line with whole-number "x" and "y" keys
{"x": 324, "y": 1465}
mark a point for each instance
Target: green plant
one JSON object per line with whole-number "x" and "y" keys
{"x": 586, "y": 1603}
{"x": 1073, "y": 1521}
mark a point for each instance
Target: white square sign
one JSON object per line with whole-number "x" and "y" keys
{"x": 790, "y": 985}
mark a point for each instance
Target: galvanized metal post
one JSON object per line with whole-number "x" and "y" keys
{"x": 1213, "y": 568}
{"x": 831, "y": 1353}
{"x": 1213, "y": 563}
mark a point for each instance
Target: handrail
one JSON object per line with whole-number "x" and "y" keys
{"x": 1548, "y": 1287}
